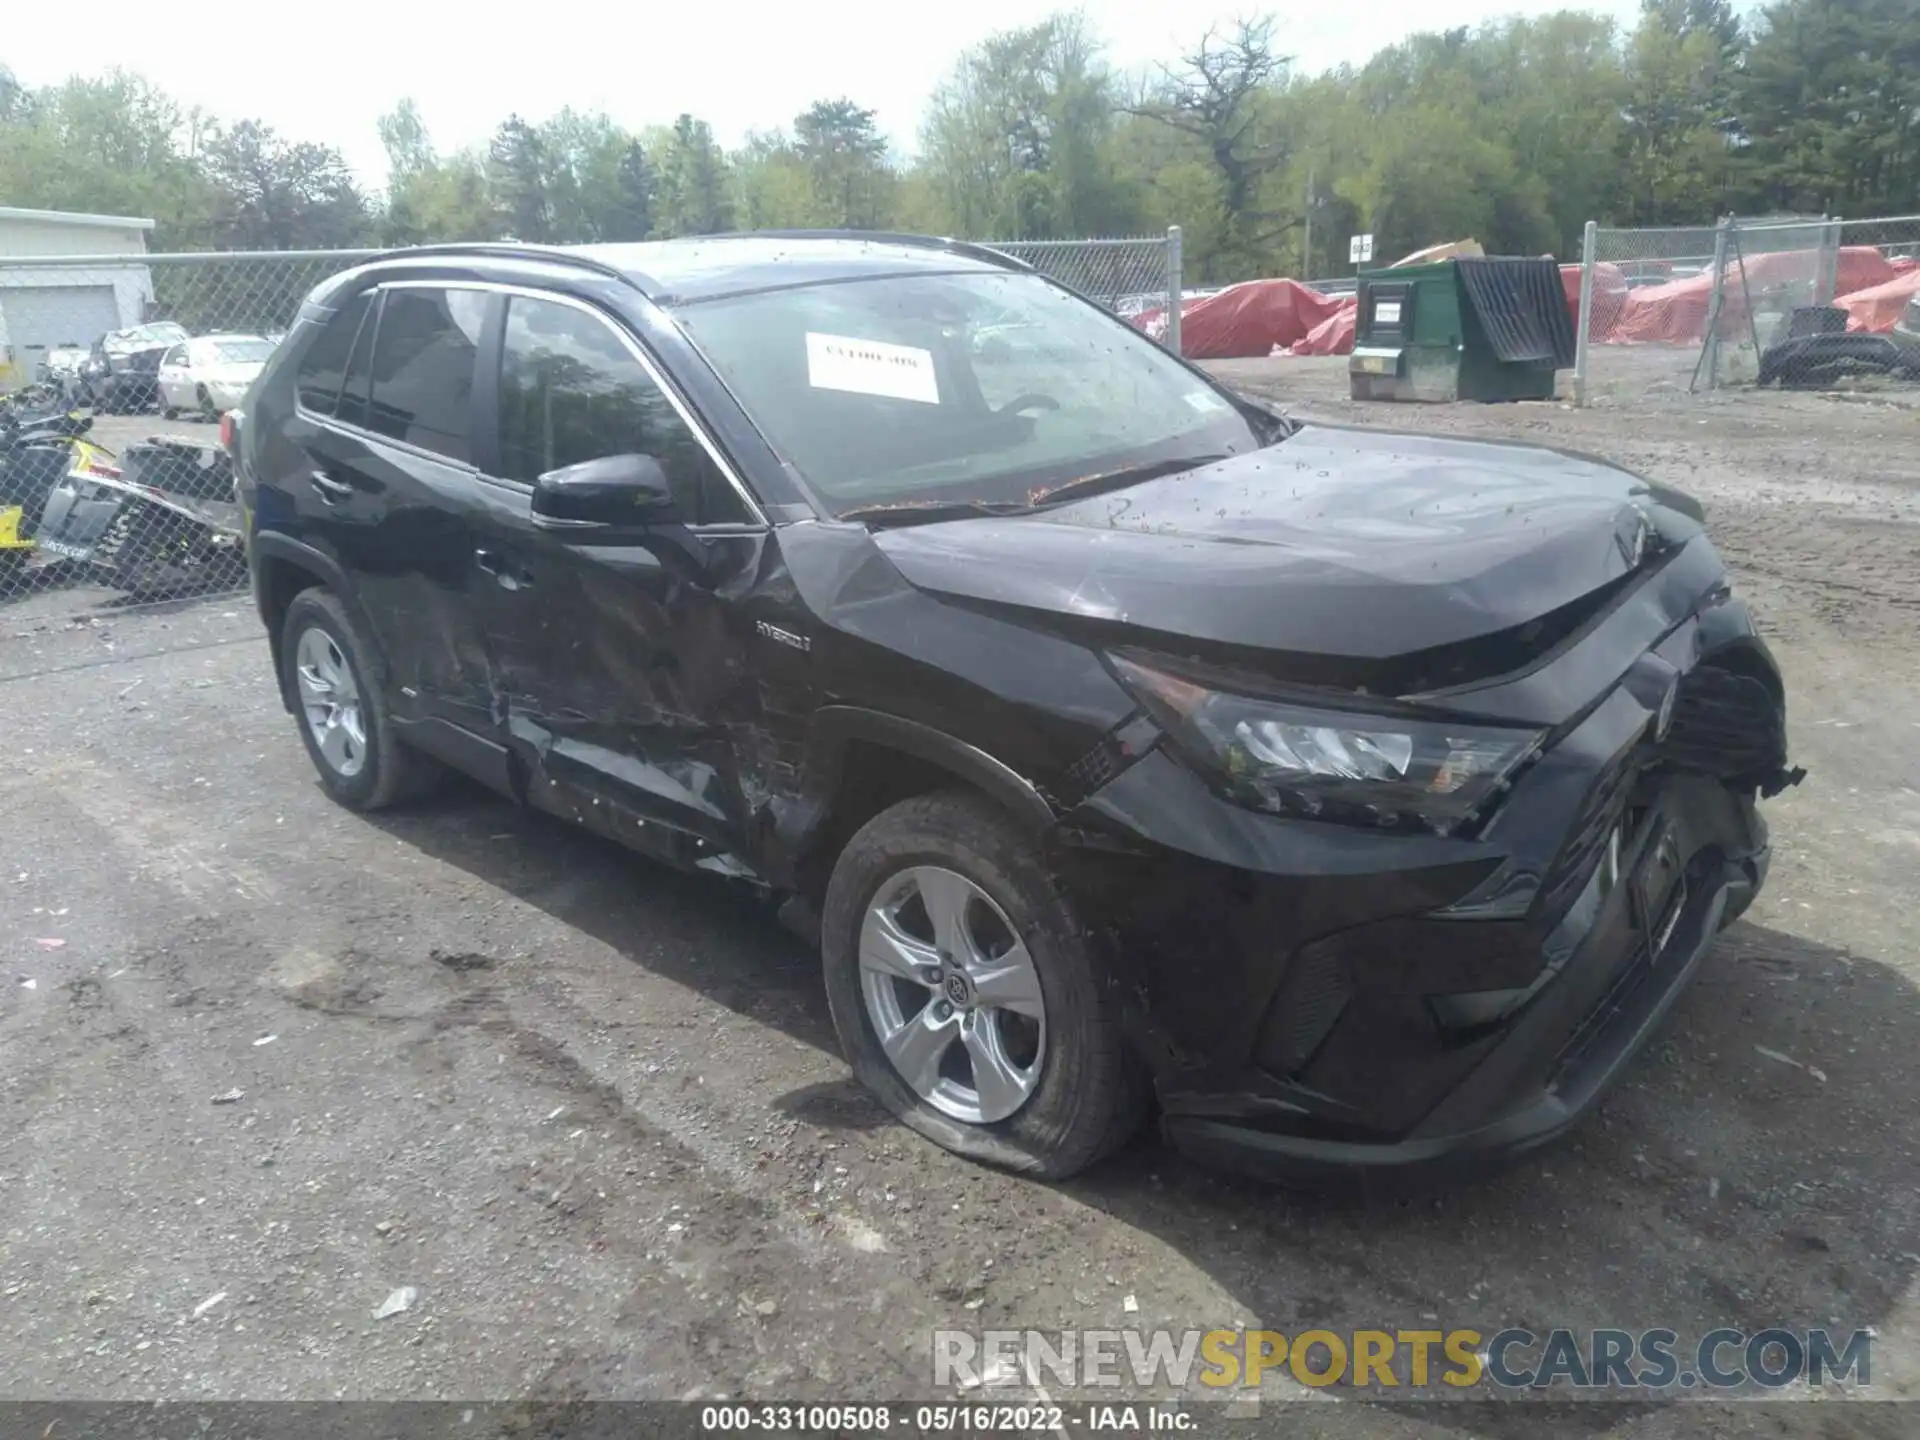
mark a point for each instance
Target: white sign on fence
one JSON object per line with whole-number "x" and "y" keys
{"x": 1360, "y": 248}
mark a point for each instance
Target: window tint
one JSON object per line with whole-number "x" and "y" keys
{"x": 325, "y": 363}
{"x": 570, "y": 390}
{"x": 423, "y": 368}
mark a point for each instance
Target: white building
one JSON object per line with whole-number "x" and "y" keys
{"x": 64, "y": 304}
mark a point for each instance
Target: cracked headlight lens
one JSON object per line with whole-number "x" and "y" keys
{"x": 1338, "y": 765}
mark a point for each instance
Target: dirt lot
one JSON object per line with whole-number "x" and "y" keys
{"x": 593, "y": 1111}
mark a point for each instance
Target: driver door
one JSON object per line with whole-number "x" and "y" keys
{"x": 621, "y": 670}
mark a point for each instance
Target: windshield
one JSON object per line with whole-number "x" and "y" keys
{"x": 943, "y": 389}
{"x": 241, "y": 352}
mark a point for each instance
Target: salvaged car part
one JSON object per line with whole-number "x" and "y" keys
{"x": 1820, "y": 361}
{"x": 164, "y": 523}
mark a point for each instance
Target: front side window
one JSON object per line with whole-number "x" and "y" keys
{"x": 423, "y": 365}
{"x": 934, "y": 388}
{"x": 324, "y": 366}
{"x": 571, "y": 390}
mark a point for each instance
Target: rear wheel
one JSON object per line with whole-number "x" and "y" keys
{"x": 968, "y": 996}
{"x": 207, "y": 408}
{"x": 329, "y": 672}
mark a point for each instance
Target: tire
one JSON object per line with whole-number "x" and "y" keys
{"x": 207, "y": 411}
{"x": 387, "y": 770}
{"x": 167, "y": 412}
{"x": 1088, "y": 1093}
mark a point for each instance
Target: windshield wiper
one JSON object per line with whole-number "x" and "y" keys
{"x": 920, "y": 512}
{"x": 1106, "y": 480}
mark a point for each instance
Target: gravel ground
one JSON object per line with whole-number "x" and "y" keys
{"x": 592, "y": 1111}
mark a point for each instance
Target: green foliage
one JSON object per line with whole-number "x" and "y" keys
{"x": 845, "y": 160}
{"x": 1829, "y": 99}
{"x": 695, "y": 195}
{"x": 1018, "y": 141}
{"x": 1515, "y": 134}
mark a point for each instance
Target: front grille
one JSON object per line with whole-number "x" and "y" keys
{"x": 1606, "y": 802}
{"x": 1725, "y": 723}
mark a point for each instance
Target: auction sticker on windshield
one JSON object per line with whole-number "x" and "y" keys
{"x": 871, "y": 367}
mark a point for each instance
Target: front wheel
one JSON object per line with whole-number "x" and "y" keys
{"x": 967, "y": 995}
{"x": 328, "y": 670}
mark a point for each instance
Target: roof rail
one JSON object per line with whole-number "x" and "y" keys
{"x": 884, "y": 237}
{"x": 556, "y": 254}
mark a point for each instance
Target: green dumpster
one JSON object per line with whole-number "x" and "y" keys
{"x": 1473, "y": 328}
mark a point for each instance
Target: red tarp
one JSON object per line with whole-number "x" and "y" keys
{"x": 1333, "y": 335}
{"x": 1609, "y": 295}
{"x": 1676, "y": 313}
{"x": 1284, "y": 317}
{"x": 1246, "y": 319}
{"x": 1878, "y": 308}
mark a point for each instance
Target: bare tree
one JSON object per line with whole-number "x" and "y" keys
{"x": 1215, "y": 95}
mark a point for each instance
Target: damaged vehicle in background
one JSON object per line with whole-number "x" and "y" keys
{"x": 1354, "y": 800}
{"x": 121, "y": 375}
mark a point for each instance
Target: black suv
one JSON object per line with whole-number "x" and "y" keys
{"x": 1362, "y": 799}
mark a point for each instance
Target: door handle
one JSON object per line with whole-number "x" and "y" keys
{"x": 330, "y": 490}
{"x": 511, "y": 576}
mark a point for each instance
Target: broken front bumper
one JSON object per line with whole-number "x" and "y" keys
{"x": 1529, "y": 1076}
{"x": 1321, "y": 998}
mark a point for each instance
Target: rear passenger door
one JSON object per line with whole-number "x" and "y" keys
{"x": 624, "y": 666}
{"x": 392, "y": 489}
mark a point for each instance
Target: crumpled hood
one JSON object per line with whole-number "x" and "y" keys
{"x": 1358, "y": 543}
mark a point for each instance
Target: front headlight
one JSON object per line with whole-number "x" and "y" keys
{"x": 1338, "y": 765}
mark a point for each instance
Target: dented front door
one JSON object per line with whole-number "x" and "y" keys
{"x": 620, "y": 670}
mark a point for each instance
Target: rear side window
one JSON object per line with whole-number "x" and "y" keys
{"x": 324, "y": 366}
{"x": 571, "y": 390}
{"x": 423, "y": 364}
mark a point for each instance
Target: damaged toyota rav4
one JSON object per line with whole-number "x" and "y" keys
{"x": 1355, "y": 801}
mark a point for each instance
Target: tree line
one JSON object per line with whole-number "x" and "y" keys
{"x": 1515, "y": 133}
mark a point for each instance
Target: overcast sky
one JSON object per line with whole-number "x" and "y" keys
{"x": 327, "y": 72}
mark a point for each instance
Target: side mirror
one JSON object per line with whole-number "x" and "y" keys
{"x": 615, "y": 492}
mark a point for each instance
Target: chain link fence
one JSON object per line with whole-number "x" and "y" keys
{"x": 1794, "y": 302}
{"x": 114, "y": 490}
{"x": 1641, "y": 326}
{"x": 1129, "y": 277}
{"x": 1835, "y": 306}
